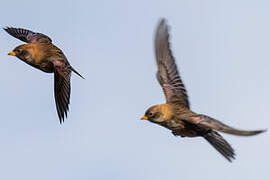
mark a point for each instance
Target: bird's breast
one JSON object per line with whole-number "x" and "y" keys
{"x": 44, "y": 66}
{"x": 173, "y": 124}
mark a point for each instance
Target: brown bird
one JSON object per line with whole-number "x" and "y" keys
{"x": 40, "y": 53}
{"x": 176, "y": 114}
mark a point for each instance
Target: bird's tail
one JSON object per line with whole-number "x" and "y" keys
{"x": 211, "y": 123}
{"x": 72, "y": 69}
{"x": 220, "y": 144}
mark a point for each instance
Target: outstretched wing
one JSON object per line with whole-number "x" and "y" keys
{"x": 62, "y": 90}
{"x": 27, "y": 35}
{"x": 220, "y": 144}
{"x": 168, "y": 75}
{"x": 213, "y": 124}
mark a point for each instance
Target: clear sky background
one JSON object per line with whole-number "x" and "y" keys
{"x": 222, "y": 51}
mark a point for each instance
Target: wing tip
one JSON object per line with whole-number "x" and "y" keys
{"x": 163, "y": 27}
{"x": 7, "y": 29}
{"x": 62, "y": 117}
{"x": 61, "y": 121}
{"x": 221, "y": 145}
{"x": 162, "y": 33}
{"x": 162, "y": 21}
{"x": 62, "y": 114}
{"x": 260, "y": 131}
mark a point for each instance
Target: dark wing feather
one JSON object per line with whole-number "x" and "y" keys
{"x": 168, "y": 75}
{"x": 62, "y": 91}
{"x": 220, "y": 144}
{"x": 27, "y": 35}
{"x": 213, "y": 124}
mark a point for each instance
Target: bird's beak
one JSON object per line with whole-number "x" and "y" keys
{"x": 144, "y": 118}
{"x": 12, "y": 53}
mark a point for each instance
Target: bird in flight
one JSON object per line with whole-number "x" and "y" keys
{"x": 176, "y": 114}
{"x": 42, "y": 54}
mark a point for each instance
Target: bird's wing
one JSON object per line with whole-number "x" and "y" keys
{"x": 168, "y": 75}
{"x": 213, "y": 124}
{"x": 27, "y": 35}
{"x": 62, "y": 90}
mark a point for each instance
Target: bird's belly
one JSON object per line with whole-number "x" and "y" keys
{"x": 172, "y": 124}
{"x": 185, "y": 133}
{"x": 179, "y": 128}
{"x": 43, "y": 66}
{"x": 46, "y": 67}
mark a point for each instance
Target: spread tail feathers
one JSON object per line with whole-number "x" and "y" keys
{"x": 208, "y": 122}
{"x": 220, "y": 144}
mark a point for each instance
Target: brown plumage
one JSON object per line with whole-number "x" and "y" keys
{"x": 175, "y": 114}
{"x": 40, "y": 53}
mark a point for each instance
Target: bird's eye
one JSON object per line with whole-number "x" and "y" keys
{"x": 24, "y": 53}
{"x": 19, "y": 51}
{"x": 150, "y": 114}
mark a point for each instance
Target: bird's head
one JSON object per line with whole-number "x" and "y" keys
{"x": 155, "y": 114}
{"x": 23, "y": 52}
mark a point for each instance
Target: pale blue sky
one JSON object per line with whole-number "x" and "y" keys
{"x": 222, "y": 51}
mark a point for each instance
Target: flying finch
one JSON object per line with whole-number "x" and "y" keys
{"x": 42, "y": 54}
{"x": 176, "y": 114}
